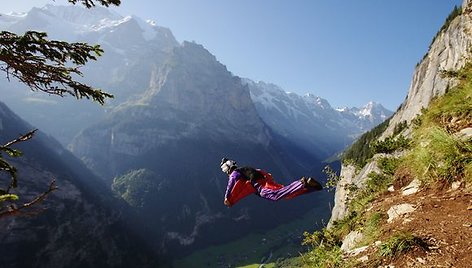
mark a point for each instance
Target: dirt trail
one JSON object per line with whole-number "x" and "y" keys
{"x": 442, "y": 219}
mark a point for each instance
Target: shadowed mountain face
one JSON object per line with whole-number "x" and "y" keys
{"x": 173, "y": 138}
{"x": 79, "y": 225}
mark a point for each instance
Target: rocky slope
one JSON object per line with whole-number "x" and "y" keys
{"x": 79, "y": 225}
{"x": 435, "y": 239}
{"x": 449, "y": 52}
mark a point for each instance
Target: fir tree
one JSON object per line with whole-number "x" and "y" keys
{"x": 48, "y": 66}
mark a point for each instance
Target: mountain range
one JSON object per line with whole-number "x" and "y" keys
{"x": 310, "y": 120}
{"x": 177, "y": 111}
{"x": 135, "y": 51}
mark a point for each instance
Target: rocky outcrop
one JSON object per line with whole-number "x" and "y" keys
{"x": 399, "y": 211}
{"x": 349, "y": 177}
{"x": 449, "y": 52}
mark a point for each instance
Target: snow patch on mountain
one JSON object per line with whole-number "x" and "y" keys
{"x": 310, "y": 119}
{"x": 71, "y": 21}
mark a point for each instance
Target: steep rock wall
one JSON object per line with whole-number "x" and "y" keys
{"x": 449, "y": 52}
{"x": 349, "y": 176}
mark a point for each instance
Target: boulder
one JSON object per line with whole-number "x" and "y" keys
{"x": 399, "y": 211}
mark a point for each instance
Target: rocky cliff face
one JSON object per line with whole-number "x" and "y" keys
{"x": 448, "y": 52}
{"x": 349, "y": 177}
{"x": 79, "y": 225}
{"x": 192, "y": 97}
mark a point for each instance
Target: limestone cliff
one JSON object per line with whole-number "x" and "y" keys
{"x": 448, "y": 53}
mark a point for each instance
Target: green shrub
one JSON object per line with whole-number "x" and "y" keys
{"x": 323, "y": 257}
{"x": 344, "y": 226}
{"x": 399, "y": 128}
{"x": 390, "y": 144}
{"x": 333, "y": 178}
{"x": 377, "y": 182}
{"x": 361, "y": 151}
{"x": 326, "y": 250}
{"x": 388, "y": 165}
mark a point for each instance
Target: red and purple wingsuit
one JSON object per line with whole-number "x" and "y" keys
{"x": 246, "y": 180}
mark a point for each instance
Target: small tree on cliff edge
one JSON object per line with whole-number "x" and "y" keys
{"x": 47, "y": 66}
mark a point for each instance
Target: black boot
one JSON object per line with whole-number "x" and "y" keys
{"x": 312, "y": 183}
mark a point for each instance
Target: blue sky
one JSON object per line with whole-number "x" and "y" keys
{"x": 348, "y": 52}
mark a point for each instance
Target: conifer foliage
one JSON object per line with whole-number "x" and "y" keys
{"x": 48, "y": 66}
{"x": 44, "y": 65}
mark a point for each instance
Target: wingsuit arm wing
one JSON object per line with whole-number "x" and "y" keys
{"x": 231, "y": 182}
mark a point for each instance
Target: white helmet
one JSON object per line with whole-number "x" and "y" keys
{"x": 227, "y": 165}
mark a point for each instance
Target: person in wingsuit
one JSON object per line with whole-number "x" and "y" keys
{"x": 243, "y": 181}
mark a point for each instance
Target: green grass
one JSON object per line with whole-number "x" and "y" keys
{"x": 323, "y": 257}
{"x": 468, "y": 173}
{"x": 439, "y": 156}
{"x": 326, "y": 244}
{"x": 399, "y": 243}
{"x": 325, "y": 249}
{"x": 371, "y": 228}
{"x": 436, "y": 153}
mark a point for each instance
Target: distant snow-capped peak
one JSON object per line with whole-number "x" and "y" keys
{"x": 373, "y": 110}
{"x": 291, "y": 105}
{"x": 59, "y": 20}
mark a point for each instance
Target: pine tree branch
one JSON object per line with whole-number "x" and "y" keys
{"x": 22, "y": 138}
{"x": 5, "y": 166}
{"x": 90, "y": 3}
{"x": 44, "y": 65}
{"x": 14, "y": 210}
